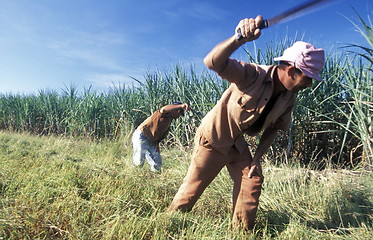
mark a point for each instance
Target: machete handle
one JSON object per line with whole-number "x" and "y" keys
{"x": 263, "y": 24}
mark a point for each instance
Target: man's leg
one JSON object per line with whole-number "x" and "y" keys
{"x": 154, "y": 158}
{"x": 205, "y": 165}
{"x": 139, "y": 148}
{"x": 246, "y": 191}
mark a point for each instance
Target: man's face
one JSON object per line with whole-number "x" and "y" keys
{"x": 299, "y": 81}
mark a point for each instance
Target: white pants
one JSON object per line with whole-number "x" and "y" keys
{"x": 143, "y": 148}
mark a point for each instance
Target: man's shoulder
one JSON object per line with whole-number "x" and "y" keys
{"x": 264, "y": 68}
{"x": 260, "y": 74}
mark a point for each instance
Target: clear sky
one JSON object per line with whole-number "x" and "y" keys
{"x": 50, "y": 44}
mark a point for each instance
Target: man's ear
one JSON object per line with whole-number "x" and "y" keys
{"x": 290, "y": 70}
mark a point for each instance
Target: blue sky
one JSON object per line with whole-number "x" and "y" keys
{"x": 50, "y": 44}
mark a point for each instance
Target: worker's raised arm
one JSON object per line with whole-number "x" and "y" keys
{"x": 249, "y": 30}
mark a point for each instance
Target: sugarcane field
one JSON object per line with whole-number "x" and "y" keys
{"x": 184, "y": 152}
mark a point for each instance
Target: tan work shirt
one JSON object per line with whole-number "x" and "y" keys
{"x": 242, "y": 104}
{"x": 155, "y": 127}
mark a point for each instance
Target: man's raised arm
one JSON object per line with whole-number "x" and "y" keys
{"x": 217, "y": 58}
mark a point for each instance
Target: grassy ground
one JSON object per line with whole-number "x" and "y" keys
{"x": 63, "y": 188}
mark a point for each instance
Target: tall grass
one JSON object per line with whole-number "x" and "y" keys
{"x": 108, "y": 115}
{"x": 361, "y": 103}
{"x": 353, "y": 100}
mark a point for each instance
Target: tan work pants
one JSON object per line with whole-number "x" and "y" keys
{"x": 205, "y": 165}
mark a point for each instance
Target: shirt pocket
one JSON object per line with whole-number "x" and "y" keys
{"x": 246, "y": 112}
{"x": 246, "y": 102}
